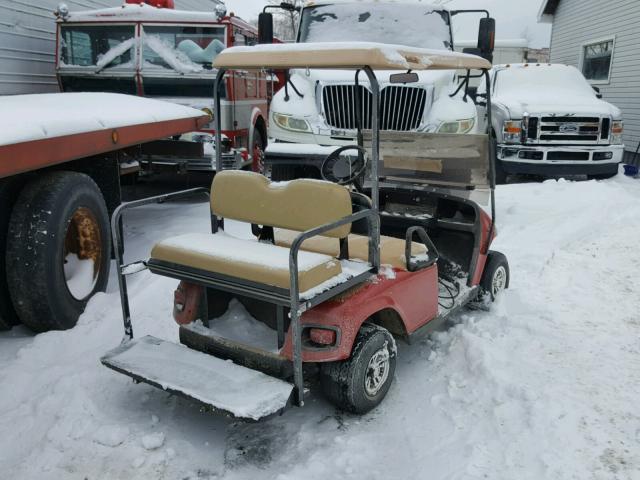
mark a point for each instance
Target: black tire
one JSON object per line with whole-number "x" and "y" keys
{"x": 259, "y": 140}
{"x": 343, "y": 383}
{"x": 8, "y": 316}
{"x": 57, "y": 214}
{"x": 496, "y": 265}
{"x": 501, "y": 175}
{"x": 283, "y": 173}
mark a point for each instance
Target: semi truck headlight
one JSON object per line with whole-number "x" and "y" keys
{"x": 291, "y": 123}
{"x": 617, "y": 129}
{"x": 512, "y": 131}
{"x": 459, "y": 126}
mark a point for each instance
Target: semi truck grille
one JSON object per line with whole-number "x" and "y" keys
{"x": 546, "y": 129}
{"x": 401, "y": 107}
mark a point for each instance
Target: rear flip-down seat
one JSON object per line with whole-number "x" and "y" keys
{"x": 298, "y": 205}
{"x": 247, "y": 259}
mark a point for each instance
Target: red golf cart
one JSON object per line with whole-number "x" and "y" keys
{"x": 390, "y": 244}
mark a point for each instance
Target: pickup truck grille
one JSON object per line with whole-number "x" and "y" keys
{"x": 562, "y": 130}
{"x": 401, "y": 107}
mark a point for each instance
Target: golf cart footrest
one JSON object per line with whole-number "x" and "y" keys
{"x": 223, "y": 385}
{"x": 200, "y": 338}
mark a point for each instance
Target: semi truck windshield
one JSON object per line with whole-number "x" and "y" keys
{"x": 396, "y": 24}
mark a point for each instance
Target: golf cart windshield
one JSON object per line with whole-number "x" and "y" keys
{"x": 443, "y": 160}
{"x": 414, "y": 25}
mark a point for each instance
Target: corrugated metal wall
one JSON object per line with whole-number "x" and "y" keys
{"x": 27, "y": 40}
{"x": 577, "y": 22}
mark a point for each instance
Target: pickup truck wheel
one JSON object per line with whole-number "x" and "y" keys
{"x": 495, "y": 277}
{"x": 8, "y": 316}
{"x": 361, "y": 382}
{"x": 58, "y": 249}
{"x": 501, "y": 175}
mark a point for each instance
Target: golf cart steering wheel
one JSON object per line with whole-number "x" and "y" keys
{"x": 344, "y": 169}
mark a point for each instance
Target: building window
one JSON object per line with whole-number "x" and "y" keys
{"x": 596, "y": 60}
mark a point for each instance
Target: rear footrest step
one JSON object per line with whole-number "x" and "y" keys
{"x": 223, "y": 385}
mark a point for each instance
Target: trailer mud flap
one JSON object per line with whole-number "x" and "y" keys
{"x": 223, "y": 385}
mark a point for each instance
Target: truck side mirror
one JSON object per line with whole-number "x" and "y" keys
{"x": 597, "y": 90}
{"x": 487, "y": 37}
{"x": 265, "y": 28}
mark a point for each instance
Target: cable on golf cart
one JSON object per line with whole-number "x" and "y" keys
{"x": 452, "y": 288}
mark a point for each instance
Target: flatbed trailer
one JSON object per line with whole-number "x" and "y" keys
{"x": 60, "y": 157}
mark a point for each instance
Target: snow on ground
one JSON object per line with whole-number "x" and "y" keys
{"x": 545, "y": 386}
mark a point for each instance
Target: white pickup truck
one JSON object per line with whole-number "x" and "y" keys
{"x": 548, "y": 120}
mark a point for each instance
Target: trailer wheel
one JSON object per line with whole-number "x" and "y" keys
{"x": 58, "y": 249}
{"x": 495, "y": 277}
{"x": 8, "y": 316}
{"x": 361, "y": 382}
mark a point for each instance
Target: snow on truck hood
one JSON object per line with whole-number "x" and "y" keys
{"x": 546, "y": 88}
{"x": 38, "y": 117}
{"x": 561, "y": 102}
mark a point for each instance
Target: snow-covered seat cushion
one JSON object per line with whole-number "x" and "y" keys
{"x": 392, "y": 250}
{"x": 246, "y": 259}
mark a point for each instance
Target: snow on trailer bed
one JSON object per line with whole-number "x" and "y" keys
{"x": 41, "y": 130}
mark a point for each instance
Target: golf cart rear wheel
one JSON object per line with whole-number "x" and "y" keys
{"x": 361, "y": 382}
{"x": 496, "y": 276}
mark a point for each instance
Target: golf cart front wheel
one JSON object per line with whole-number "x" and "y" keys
{"x": 361, "y": 382}
{"x": 496, "y": 276}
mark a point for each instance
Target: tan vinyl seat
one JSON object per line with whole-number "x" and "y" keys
{"x": 392, "y": 250}
{"x": 250, "y": 197}
{"x": 247, "y": 259}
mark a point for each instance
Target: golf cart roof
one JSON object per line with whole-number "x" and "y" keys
{"x": 352, "y": 55}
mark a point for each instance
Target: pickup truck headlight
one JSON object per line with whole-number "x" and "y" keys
{"x": 617, "y": 129}
{"x": 291, "y": 123}
{"x": 512, "y": 131}
{"x": 459, "y": 126}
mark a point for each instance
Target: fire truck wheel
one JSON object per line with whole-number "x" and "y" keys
{"x": 258, "y": 146}
{"x": 361, "y": 382}
{"x": 8, "y": 317}
{"x": 58, "y": 249}
{"x": 495, "y": 277}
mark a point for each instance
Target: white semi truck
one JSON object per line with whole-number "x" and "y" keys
{"x": 320, "y": 108}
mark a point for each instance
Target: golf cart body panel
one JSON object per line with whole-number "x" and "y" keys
{"x": 321, "y": 325}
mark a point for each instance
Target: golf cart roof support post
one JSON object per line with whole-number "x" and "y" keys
{"x": 492, "y": 159}
{"x": 374, "y": 233}
{"x": 358, "y": 108}
{"x": 218, "y": 117}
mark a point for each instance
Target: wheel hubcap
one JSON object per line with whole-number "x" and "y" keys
{"x": 499, "y": 281}
{"x": 377, "y": 372}
{"x": 82, "y": 253}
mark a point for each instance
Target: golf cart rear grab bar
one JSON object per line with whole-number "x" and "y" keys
{"x": 432, "y": 251}
{"x": 118, "y": 245}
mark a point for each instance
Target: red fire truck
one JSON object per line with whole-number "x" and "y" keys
{"x": 148, "y": 48}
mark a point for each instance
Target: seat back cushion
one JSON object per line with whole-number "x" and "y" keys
{"x": 298, "y": 205}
